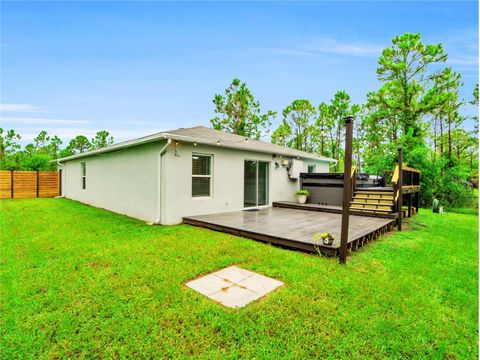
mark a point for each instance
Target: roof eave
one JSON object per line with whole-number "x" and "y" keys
{"x": 108, "y": 149}
{"x": 188, "y": 139}
{"x": 239, "y": 147}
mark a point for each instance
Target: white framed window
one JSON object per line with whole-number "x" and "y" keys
{"x": 83, "y": 166}
{"x": 201, "y": 175}
{"x": 311, "y": 168}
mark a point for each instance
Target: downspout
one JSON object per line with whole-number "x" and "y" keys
{"x": 162, "y": 151}
{"x": 64, "y": 176}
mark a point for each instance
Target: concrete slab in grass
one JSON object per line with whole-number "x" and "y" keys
{"x": 233, "y": 286}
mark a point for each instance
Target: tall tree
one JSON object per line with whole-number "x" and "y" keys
{"x": 475, "y": 96}
{"x": 329, "y": 124}
{"x": 239, "y": 112}
{"x": 461, "y": 141}
{"x": 340, "y": 107}
{"x": 297, "y": 118}
{"x": 8, "y": 142}
{"x": 281, "y": 136}
{"x": 54, "y": 146}
{"x": 475, "y": 102}
{"x": 324, "y": 126}
{"x": 404, "y": 70}
{"x": 447, "y": 115}
{"x": 383, "y": 118}
{"x": 102, "y": 139}
{"x": 79, "y": 144}
{"x": 44, "y": 144}
{"x": 41, "y": 141}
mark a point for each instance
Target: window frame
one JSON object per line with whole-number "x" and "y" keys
{"x": 83, "y": 174}
{"x": 314, "y": 168}
{"x": 210, "y": 176}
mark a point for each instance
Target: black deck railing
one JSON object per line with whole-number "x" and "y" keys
{"x": 406, "y": 186}
{"x": 411, "y": 177}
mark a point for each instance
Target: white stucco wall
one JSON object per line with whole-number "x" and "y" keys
{"x": 124, "y": 181}
{"x": 228, "y": 178}
{"x": 320, "y": 166}
{"x": 127, "y": 181}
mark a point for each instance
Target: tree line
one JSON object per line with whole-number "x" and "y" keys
{"x": 39, "y": 154}
{"x": 417, "y": 107}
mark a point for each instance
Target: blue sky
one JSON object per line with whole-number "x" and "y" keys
{"x": 136, "y": 68}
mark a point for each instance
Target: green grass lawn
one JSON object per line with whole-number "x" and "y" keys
{"x": 86, "y": 283}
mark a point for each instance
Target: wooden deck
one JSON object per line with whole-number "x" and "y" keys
{"x": 294, "y": 228}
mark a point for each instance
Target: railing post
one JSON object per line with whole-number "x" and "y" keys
{"x": 354, "y": 180}
{"x": 347, "y": 188}
{"x": 395, "y": 190}
{"x": 410, "y": 204}
{"x": 400, "y": 188}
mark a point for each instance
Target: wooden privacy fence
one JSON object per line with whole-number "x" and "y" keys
{"x": 29, "y": 184}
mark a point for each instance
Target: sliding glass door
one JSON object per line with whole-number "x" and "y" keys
{"x": 255, "y": 183}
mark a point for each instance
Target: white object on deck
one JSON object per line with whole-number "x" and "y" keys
{"x": 295, "y": 169}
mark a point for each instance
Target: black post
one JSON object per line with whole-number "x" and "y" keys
{"x": 400, "y": 188}
{"x": 410, "y": 204}
{"x": 347, "y": 188}
{"x": 60, "y": 182}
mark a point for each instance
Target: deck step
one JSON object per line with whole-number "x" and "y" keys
{"x": 373, "y": 211}
{"x": 373, "y": 198}
{"x": 357, "y": 207}
{"x": 360, "y": 205}
{"x": 373, "y": 201}
{"x": 372, "y": 192}
{"x": 376, "y": 190}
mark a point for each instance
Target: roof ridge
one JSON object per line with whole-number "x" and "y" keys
{"x": 209, "y": 136}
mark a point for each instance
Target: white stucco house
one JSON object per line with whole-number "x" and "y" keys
{"x": 163, "y": 177}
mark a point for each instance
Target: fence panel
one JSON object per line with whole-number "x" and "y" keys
{"x": 29, "y": 184}
{"x": 49, "y": 184}
{"x": 5, "y": 184}
{"x": 24, "y": 184}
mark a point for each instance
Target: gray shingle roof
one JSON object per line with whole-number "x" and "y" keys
{"x": 204, "y": 135}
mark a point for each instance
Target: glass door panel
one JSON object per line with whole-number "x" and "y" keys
{"x": 250, "y": 184}
{"x": 255, "y": 183}
{"x": 262, "y": 183}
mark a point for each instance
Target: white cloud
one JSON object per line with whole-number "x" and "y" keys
{"x": 327, "y": 45}
{"x": 466, "y": 62}
{"x": 18, "y": 108}
{"x": 39, "y": 121}
{"x": 139, "y": 122}
{"x": 462, "y": 49}
{"x": 332, "y": 46}
{"x": 281, "y": 51}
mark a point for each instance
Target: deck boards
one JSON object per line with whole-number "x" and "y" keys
{"x": 290, "y": 227}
